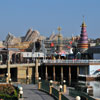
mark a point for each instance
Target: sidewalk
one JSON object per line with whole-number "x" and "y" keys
{"x": 30, "y": 92}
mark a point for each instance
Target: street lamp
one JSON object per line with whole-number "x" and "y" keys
{"x": 27, "y": 79}
{"x": 60, "y": 88}
{"x": 51, "y": 82}
{"x": 21, "y": 88}
{"x": 6, "y": 74}
{"x": 64, "y": 81}
{"x": 78, "y": 98}
{"x": 21, "y": 93}
{"x": 6, "y": 77}
{"x": 39, "y": 79}
{"x": 10, "y": 80}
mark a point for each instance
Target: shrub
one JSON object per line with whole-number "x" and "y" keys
{"x": 8, "y": 92}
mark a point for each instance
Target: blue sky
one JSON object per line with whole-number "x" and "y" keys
{"x": 17, "y": 16}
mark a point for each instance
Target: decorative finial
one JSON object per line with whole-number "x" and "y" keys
{"x": 59, "y": 29}
{"x": 83, "y": 24}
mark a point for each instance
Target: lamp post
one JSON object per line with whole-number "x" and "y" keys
{"x": 50, "y": 91}
{"x": 51, "y": 82}
{"x": 10, "y": 80}
{"x": 39, "y": 79}
{"x": 78, "y": 98}
{"x": 60, "y": 88}
{"x": 27, "y": 79}
{"x": 60, "y": 91}
{"x": 6, "y": 77}
{"x": 64, "y": 81}
{"x": 39, "y": 83}
{"x": 64, "y": 86}
{"x": 20, "y": 92}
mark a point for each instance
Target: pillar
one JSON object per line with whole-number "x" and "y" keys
{"x": 61, "y": 73}
{"x": 77, "y": 71}
{"x": 46, "y": 73}
{"x": 54, "y": 76}
{"x": 50, "y": 91}
{"x": 8, "y": 66}
{"x": 36, "y": 71}
{"x": 27, "y": 75}
{"x": 69, "y": 75}
{"x": 39, "y": 85}
{"x": 59, "y": 96}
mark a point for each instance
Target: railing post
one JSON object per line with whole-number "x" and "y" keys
{"x": 50, "y": 92}
{"x": 39, "y": 83}
{"x": 64, "y": 86}
{"x": 20, "y": 92}
{"x": 60, "y": 92}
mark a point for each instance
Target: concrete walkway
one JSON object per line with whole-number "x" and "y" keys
{"x": 30, "y": 92}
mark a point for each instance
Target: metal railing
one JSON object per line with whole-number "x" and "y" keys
{"x": 45, "y": 86}
{"x": 74, "y": 93}
{"x": 72, "y": 61}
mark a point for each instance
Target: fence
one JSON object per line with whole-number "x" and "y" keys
{"x": 55, "y": 93}
{"x": 64, "y": 97}
{"x": 74, "y": 93}
{"x": 45, "y": 86}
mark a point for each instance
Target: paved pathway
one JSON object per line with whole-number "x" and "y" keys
{"x": 30, "y": 92}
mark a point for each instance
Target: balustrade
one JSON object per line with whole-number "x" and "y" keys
{"x": 71, "y": 61}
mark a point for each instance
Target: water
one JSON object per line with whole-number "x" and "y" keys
{"x": 96, "y": 88}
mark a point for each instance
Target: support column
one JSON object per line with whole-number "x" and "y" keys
{"x": 61, "y": 73}
{"x": 46, "y": 73}
{"x": 54, "y": 76}
{"x": 8, "y": 71}
{"x": 69, "y": 75}
{"x": 36, "y": 71}
{"x": 27, "y": 73}
{"x": 8, "y": 66}
{"x": 77, "y": 71}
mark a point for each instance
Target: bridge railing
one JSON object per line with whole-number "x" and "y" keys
{"x": 71, "y": 61}
{"x": 45, "y": 86}
{"x": 74, "y": 93}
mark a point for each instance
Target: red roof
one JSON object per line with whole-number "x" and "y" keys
{"x": 52, "y": 44}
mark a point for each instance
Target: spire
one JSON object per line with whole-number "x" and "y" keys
{"x": 83, "y": 36}
{"x": 59, "y": 35}
{"x": 83, "y": 24}
{"x": 83, "y": 41}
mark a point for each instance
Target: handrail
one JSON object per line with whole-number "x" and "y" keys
{"x": 72, "y": 61}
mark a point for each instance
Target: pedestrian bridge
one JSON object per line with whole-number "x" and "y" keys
{"x": 54, "y": 62}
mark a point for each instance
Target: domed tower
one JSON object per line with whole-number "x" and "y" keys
{"x": 83, "y": 41}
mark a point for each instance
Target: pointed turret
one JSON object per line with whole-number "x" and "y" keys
{"x": 83, "y": 41}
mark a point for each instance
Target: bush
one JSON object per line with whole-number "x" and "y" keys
{"x": 8, "y": 92}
